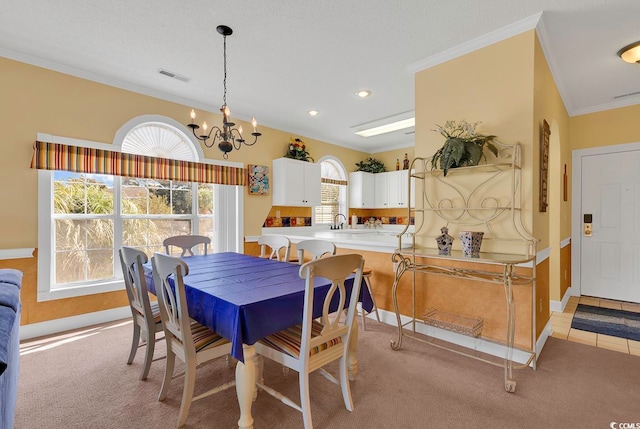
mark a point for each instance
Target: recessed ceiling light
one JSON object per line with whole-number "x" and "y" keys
{"x": 363, "y": 93}
{"x": 313, "y": 113}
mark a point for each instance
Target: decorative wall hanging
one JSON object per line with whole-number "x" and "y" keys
{"x": 544, "y": 164}
{"x": 258, "y": 180}
{"x": 565, "y": 195}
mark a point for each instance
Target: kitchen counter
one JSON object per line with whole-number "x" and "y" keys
{"x": 383, "y": 239}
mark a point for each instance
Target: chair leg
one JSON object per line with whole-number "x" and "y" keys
{"x": 187, "y": 392}
{"x": 135, "y": 342}
{"x": 344, "y": 383}
{"x": 148, "y": 354}
{"x": 305, "y": 402}
{"x": 168, "y": 373}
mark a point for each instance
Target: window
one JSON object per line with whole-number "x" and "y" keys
{"x": 334, "y": 192}
{"x": 85, "y": 218}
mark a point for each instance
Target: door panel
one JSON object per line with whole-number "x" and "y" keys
{"x": 610, "y": 257}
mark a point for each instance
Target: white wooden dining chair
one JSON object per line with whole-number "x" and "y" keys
{"x": 186, "y": 338}
{"x": 186, "y": 243}
{"x": 316, "y": 248}
{"x": 275, "y": 247}
{"x": 145, "y": 314}
{"x": 313, "y": 344}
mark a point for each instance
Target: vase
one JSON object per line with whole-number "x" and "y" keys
{"x": 470, "y": 242}
{"x": 444, "y": 242}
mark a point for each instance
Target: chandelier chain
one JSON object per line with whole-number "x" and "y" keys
{"x": 224, "y": 81}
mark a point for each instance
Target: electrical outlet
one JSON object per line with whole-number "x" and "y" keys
{"x": 277, "y": 214}
{"x": 395, "y": 266}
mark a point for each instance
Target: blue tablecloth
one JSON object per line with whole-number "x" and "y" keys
{"x": 245, "y": 298}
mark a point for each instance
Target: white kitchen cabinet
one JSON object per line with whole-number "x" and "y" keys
{"x": 398, "y": 189}
{"x": 391, "y": 190}
{"x": 361, "y": 190}
{"x": 381, "y": 190}
{"x": 296, "y": 183}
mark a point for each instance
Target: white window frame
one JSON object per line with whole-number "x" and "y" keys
{"x": 228, "y": 221}
{"x": 343, "y": 197}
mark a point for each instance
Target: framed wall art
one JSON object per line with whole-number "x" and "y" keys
{"x": 544, "y": 164}
{"x": 258, "y": 180}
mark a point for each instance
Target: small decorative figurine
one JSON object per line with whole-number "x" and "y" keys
{"x": 405, "y": 162}
{"x": 397, "y": 163}
{"x": 444, "y": 242}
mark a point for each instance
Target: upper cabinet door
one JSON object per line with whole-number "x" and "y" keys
{"x": 382, "y": 190}
{"x": 296, "y": 183}
{"x": 399, "y": 189}
{"x": 361, "y": 190}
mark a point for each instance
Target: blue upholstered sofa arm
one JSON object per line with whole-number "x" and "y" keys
{"x": 10, "y": 283}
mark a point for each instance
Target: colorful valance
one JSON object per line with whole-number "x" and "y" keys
{"x": 56, "y": 156}
{"x": 334, "y": 181}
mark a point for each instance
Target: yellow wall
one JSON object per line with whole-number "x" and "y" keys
{"x": 502, "y": 86}
{"x": 493, "y": 85}
{"x": 616, "y": 126}
{"x": 556, "y": 221}
{"x": 389, "y": 157}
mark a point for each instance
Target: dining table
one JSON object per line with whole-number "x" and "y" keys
{"x": 245, "y": 298}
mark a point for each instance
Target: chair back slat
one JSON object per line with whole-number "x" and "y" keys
{"x": 131, "y": 261}
{"x": 277, "y": 246}
{"x": 335, "y": 269}
{"x": 316, "y": 248}
{"x": 168, "y": 273}
{"x": 186, "y": 243}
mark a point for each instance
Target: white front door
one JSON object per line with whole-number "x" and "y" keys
{"x": 610, "y": 257}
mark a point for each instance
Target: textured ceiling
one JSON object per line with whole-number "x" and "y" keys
{"x": 289, "y": 56}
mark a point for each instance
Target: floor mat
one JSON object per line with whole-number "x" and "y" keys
{"x": 617, "y": 323}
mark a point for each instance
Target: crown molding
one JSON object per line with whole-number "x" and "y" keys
{"x": 483, "y": 41}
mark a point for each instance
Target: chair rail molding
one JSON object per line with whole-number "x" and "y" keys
{"x": 16, "y": 253}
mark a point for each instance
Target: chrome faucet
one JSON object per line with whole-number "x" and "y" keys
{"x": 335, "y": 221}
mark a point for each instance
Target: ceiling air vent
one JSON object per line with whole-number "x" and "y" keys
{"x": 627, "y": 95}
{"x": 174, "y": 75}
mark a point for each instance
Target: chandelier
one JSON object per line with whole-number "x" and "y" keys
{"x": 228, "y": 137}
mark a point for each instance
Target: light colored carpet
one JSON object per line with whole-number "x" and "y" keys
{"x": 81, "y": 380}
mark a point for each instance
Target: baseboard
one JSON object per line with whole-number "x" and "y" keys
{"x": 55, "y": 326}
{"x": 544, "y": 335}
{"x": 478, "y": 344}
{"x": 558, "y": 306}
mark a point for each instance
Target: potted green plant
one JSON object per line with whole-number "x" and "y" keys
{"x": 371, "y": 165}
{"x": 463, "y": 146}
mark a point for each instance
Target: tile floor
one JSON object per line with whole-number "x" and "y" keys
{"x": 561, "y": 324}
